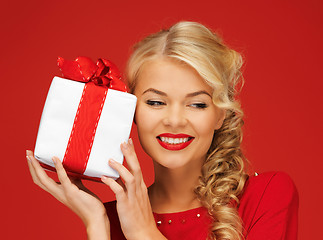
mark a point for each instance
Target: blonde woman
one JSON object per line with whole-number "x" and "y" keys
{"x": 189, "y": 122}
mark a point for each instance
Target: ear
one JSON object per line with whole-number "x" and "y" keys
{"x": 220, "y": 119}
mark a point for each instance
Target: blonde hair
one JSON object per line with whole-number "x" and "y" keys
{"x": 223, "y": 175}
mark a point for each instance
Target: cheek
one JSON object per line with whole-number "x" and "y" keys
{"x": 145, "y": 121}
{"x": 146, "y": 126}
{"x": 205, "y": 124}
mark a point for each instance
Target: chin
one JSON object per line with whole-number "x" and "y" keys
{"x": 176, "y": 162}
{"x": 170, "y": 164}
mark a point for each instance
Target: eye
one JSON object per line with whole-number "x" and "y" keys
{"x": 154, "y": 103}
{"x": 199, "y": 105}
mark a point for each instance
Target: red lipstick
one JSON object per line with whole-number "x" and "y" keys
{"x": 174, "y": 146}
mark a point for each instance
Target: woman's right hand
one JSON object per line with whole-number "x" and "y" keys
{"x": 72, "y": 193}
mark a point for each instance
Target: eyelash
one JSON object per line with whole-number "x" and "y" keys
{"x": 154, "y": 103}
{"x": 199, "y": 105}
{"x": 159, "y": 103}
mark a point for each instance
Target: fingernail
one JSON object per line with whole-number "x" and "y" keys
{"x": 54, "y": 160}
{"x": 104, "y": 178}
{"x": 28, "y": 158}
{"x": 125, "y": 145}
{"x": 28, "y": 152}
{"x": 112, "y": 161}
{"x": 130, "y": 141}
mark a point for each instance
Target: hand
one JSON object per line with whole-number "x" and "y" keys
{"x": 72, "y": 193}
{"x": 133, "y": 205}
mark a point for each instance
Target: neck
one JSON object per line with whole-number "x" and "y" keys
{"x": 173, "y": 189}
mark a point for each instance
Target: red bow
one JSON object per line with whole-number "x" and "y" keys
{"x": 83, "y": 69}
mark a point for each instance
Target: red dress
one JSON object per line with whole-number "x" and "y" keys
{"x": 268, "y": 209}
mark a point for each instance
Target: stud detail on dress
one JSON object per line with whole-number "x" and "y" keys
{"x": 256, "y": 174}
{"x": 158, "y": 223}
{"x": 169, "y": 221}
{"x": 198, "y": 215}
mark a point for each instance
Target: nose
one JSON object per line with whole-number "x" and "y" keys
{"x": 175, "y": 117}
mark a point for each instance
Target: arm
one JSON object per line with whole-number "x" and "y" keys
{"x": 99, "y": 230}
{"x": 72, "y": 193}
{"x": 276, "y": 214}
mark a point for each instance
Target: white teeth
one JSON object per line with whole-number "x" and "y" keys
{"x": 173, "y": 140}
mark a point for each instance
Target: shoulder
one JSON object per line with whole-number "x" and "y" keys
{"x": 269, "y": 199}
{"x": 270, "y": 186}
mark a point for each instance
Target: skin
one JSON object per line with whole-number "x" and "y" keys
{"x": 173, "y": 111}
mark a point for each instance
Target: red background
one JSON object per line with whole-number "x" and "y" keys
{"x": 281, "y": 41}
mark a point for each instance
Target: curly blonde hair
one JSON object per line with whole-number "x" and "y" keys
{"x": 223, "y": 173}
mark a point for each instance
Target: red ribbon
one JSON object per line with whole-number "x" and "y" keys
{"x": 104, "y": 73}
{"x": 98, "y": 78}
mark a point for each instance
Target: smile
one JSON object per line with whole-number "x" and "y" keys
{"x": 174, "y": 142}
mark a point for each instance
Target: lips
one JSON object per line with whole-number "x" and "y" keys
{"x": 174, "y": 142}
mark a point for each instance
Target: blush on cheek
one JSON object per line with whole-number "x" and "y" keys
{"x": 148, "y": 145}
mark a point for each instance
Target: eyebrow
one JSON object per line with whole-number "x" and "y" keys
{"x": 193, "y": 94}
{"x": 154, "y": 91}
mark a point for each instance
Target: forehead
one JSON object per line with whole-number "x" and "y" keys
{"x": 170, "y": 76}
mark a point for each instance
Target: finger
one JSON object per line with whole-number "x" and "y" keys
{"x": 29, "y": 153}
{"x": 115, "y": 187}
{"x": 42, "y": 180}
{"x": 129, "y": 179}
{"x": 34, "y": 175}
{"x": 68, "y": 187}
{"x": 128, "y": 151}
{"x": 46, "y": 181}
{"x": 134, "y": 167}
{"x": 120, "y": 182}
{"x": 61, "y": 173}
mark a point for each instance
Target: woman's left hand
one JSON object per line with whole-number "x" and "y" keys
{"x": 133, "y": 205}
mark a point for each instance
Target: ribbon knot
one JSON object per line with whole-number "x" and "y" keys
{"x": 104, "y": 73}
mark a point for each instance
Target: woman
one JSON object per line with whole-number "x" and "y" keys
{"x": 189, "y": 123}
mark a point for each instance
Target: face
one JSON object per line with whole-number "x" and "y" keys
{"x": 175, "y": 115}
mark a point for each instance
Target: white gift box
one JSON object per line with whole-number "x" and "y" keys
{"x": 113, "y": 127}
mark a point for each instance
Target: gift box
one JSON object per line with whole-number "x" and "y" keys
{"x": 86, "y": 116}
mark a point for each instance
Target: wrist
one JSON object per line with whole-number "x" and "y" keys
{"x": 98, "y": 229}
{"x": 94, "y": 219}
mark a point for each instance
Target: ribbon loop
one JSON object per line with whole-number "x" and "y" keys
{"x": 104, "y": 73}
{"x": 102, "y": 81}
